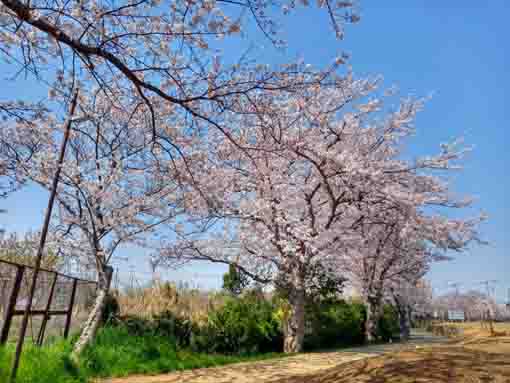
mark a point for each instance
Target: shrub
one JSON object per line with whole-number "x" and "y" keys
{"x": 388, "y": 325}
{"x": 111, "y": 309}
{"x": 334, "y": 323}
{"x": 243, "y": 325}
{"x": 166, "y": 325}
{"x": 172, "y": 326}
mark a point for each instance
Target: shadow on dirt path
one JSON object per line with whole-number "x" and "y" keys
{"x": 429, "y": 364}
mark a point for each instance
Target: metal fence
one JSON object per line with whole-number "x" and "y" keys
{"x": 61, "y": 302}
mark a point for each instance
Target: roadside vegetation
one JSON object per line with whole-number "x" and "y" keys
{"x": 115, "y": 353}
{"x": 188, "y": 329}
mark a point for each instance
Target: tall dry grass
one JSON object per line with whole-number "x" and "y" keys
{"x": 161, "y": 296}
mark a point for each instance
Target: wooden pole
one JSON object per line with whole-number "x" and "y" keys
{"x": 46, "y": 317}
{"x": 11, "y": 305}
{"x": 70, "y": 309}
{"x": 44, "y": 233}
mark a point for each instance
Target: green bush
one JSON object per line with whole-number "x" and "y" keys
{"x": 245, "y": 325}
{"x": 388, "y": 325}
{"x": 235, "y": 281}
{"x": 334, "y": 323}
{"x": 111, "y": 309}
{"x": 165, "y": 325}
{"x": 181, "y": 329}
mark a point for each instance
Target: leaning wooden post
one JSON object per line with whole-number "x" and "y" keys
{"x": 11, "y": 305}
{"x": 44, "y": 233}
{"x": 46, "y": 317}
{"x": 70, "y": 309}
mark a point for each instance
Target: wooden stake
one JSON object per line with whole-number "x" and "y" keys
{"x": 42, "y": 330}
{"x": 70, "y": 309}
{"x": 11, "y": 305}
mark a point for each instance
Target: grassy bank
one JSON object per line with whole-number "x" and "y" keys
{"x": 115, "y": 353}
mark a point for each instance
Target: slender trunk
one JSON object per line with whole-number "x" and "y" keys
{"x": 373, "y": 309}
{"x": 489, "y": 321}
{"x": 404, "y": 311}
{"x": 294, "y": 328}
{"x": 93, "y": 322}
{"x": 404, "y": 324}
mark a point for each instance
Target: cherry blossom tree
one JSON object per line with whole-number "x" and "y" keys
{"x": 473, "y": 303}
{"x": 152, "y": 82}
{"x": 396, "y": 250}
{"x": 383, "y": 267}
{"x": 157, "y": 54}
{"x": 315, "y": 181}
{"x": 20, "y": 113}
{"x": 114, "y": 186}
{"x": 282, "y": 172}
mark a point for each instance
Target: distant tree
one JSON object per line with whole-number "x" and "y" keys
{"x": 235, "y": 281}
{"x": 21, "y": 248}
{"x": 473, "y": 303}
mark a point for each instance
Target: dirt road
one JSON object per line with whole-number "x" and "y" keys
{"x": 273, "y": 370}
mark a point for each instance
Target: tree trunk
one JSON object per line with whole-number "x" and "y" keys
{"x": 404, "y": 312}
{"x": 294, "y": 328}
{"x": 93, "y": 322}
{"x": 373, "y": 312}
{"x": 405, "y": 325}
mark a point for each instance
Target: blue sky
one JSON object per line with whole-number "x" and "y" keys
{"x": 456, "y": 50}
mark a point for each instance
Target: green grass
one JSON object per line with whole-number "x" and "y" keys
{"x": 115, "y": 353}
{"x": 44, "y": 365}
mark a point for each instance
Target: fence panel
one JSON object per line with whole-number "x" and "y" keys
{"x": 60, "y": 305}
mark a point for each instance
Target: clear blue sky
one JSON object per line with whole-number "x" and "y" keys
{"x": 456, "y": 50}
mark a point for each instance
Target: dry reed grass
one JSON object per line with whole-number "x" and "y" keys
{"x": 160, "y": 296}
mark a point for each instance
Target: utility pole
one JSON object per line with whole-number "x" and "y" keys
{"x": 487, "y": 284}
{"x": 116, "y": 278}
{"x": 132, "y": 277}
{"x": 2, "y": 211}
{"x": 456, "y": 286}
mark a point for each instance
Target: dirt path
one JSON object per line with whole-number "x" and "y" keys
{"x": 272, "y": 370}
